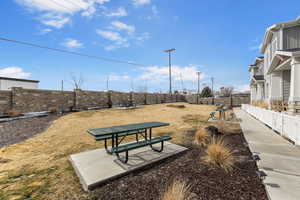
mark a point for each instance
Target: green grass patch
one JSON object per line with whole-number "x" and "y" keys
{"x": 26, "y": 183}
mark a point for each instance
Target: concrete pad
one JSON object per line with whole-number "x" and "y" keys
{"x": 96, "y": 167}
{"x": 282, "y": 186}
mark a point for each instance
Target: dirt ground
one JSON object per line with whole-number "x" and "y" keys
{"x": 206, "y": 181}
{"x": 38, "y": 168}
{"x": 16, "y": 131}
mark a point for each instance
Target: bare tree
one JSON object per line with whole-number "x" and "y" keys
{"x": 77, "y": 81}
{"x": 226, "y": 91}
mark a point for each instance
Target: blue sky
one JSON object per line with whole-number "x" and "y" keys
{"x": 220, "y": 38}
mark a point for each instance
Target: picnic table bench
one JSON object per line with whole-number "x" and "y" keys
{"x": 115, "y": 132}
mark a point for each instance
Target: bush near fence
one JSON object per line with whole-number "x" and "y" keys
{"x": 36, "y": 100}
{"x": 285, "y": 124}
{"x": 234, "y": 100}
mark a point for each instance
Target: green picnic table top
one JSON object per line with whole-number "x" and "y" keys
{"x": 125, "y": 128}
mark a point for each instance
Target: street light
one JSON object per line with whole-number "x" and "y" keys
{"x": 170, "y": 73}
{"x": 198, "y": 73}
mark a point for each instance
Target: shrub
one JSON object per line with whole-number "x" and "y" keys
{"x": 228, "y": 128}
{"x": 201, "y": 137}
{"x": 13, "y": 113}
{"x": 53, "y": 110}
{"x": 219, "y": 154}
{"x": 178, "y": 190}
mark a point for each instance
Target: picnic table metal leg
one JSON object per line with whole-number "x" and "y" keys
{"x": 146, "y": 135}
{"x": 137, "y": 137}
{"x": 105, "y": 145}
{"x": 161, "y": 147}
{"x": 123, "y": 160}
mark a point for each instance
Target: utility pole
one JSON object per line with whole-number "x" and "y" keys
{"x": 132, "y": 87}
{"x": 62, "y": 92}
{"x": 198, "y": 93}
{"x": 182, "y": 87}
{"x": 107, "y": 80}
{"x": 212, "y": 86}
{"x": 198, "y": 73}
{"x": 62, "y": 85}
{"x": 170, "y": 71}
{"x": 212, "y": 90}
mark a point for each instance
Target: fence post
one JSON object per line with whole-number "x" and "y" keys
{"x": 282, "y": 123}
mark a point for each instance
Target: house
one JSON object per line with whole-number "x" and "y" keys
{"x": 276, "y": 75}
{"x": 7, "y": 83}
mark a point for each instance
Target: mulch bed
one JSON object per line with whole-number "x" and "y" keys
{"x": 207, "y": 182}
{"x": 16, "y": 131}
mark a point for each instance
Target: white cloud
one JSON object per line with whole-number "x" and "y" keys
{"x": 154, "y": 10}
{"x": 14, "y": 72}
{"x": 155, "y": 13}
{"x": 140, "y": 2}
{"x": 56, "y": 21}
{"x": 142, "y": 37}
{"x": 120, "y": 12}
{"x": 114, "y": 77}
{"x": 45, "y": 31}
{"x": 122, "y": 26}
{"x": 156, "y": 73}
{"x": 117, "y": 40}
{"x": 58, "y": 13}
{"x": 110, "y": 35}
{"x": 242, "y": 88}
{"x": 72, "y": 43}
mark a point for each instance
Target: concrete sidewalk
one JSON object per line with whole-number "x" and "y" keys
{"x": 280, "y": 159}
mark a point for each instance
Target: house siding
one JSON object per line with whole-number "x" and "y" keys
{"x": 291, "y": 37}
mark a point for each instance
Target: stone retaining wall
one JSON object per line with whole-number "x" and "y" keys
{"x": 35, "y": 100}
{"x": 5, "y": 101}
{"x": 234, "y": 100}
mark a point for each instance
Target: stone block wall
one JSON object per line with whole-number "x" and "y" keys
{"x": 89, "y": 99}
{"x": 160, "y": 98}
{"x": 234, "y": 100}
{"x": 5, "y": 101}
{"x": 120, "y": 98}
{"x": 34, "y": 100}
{"x": 208, "y": 100}
{"x": 151, "y": 99}
{"x": 139, "y": 98}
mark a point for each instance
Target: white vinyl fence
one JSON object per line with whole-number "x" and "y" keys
{"x": 287, "y": 125}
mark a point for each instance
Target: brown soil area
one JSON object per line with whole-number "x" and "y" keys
{"x": 16, "y": 131}
{"x": 207, "y": 182}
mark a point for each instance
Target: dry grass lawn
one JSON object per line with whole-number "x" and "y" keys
{"x": 39, "y": 168}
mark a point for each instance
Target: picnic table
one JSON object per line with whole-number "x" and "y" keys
{"x": 222, "y": 110}
{"x": 114, "y": 133}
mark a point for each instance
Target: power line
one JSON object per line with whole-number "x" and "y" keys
{"x": 71, "y": 52}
